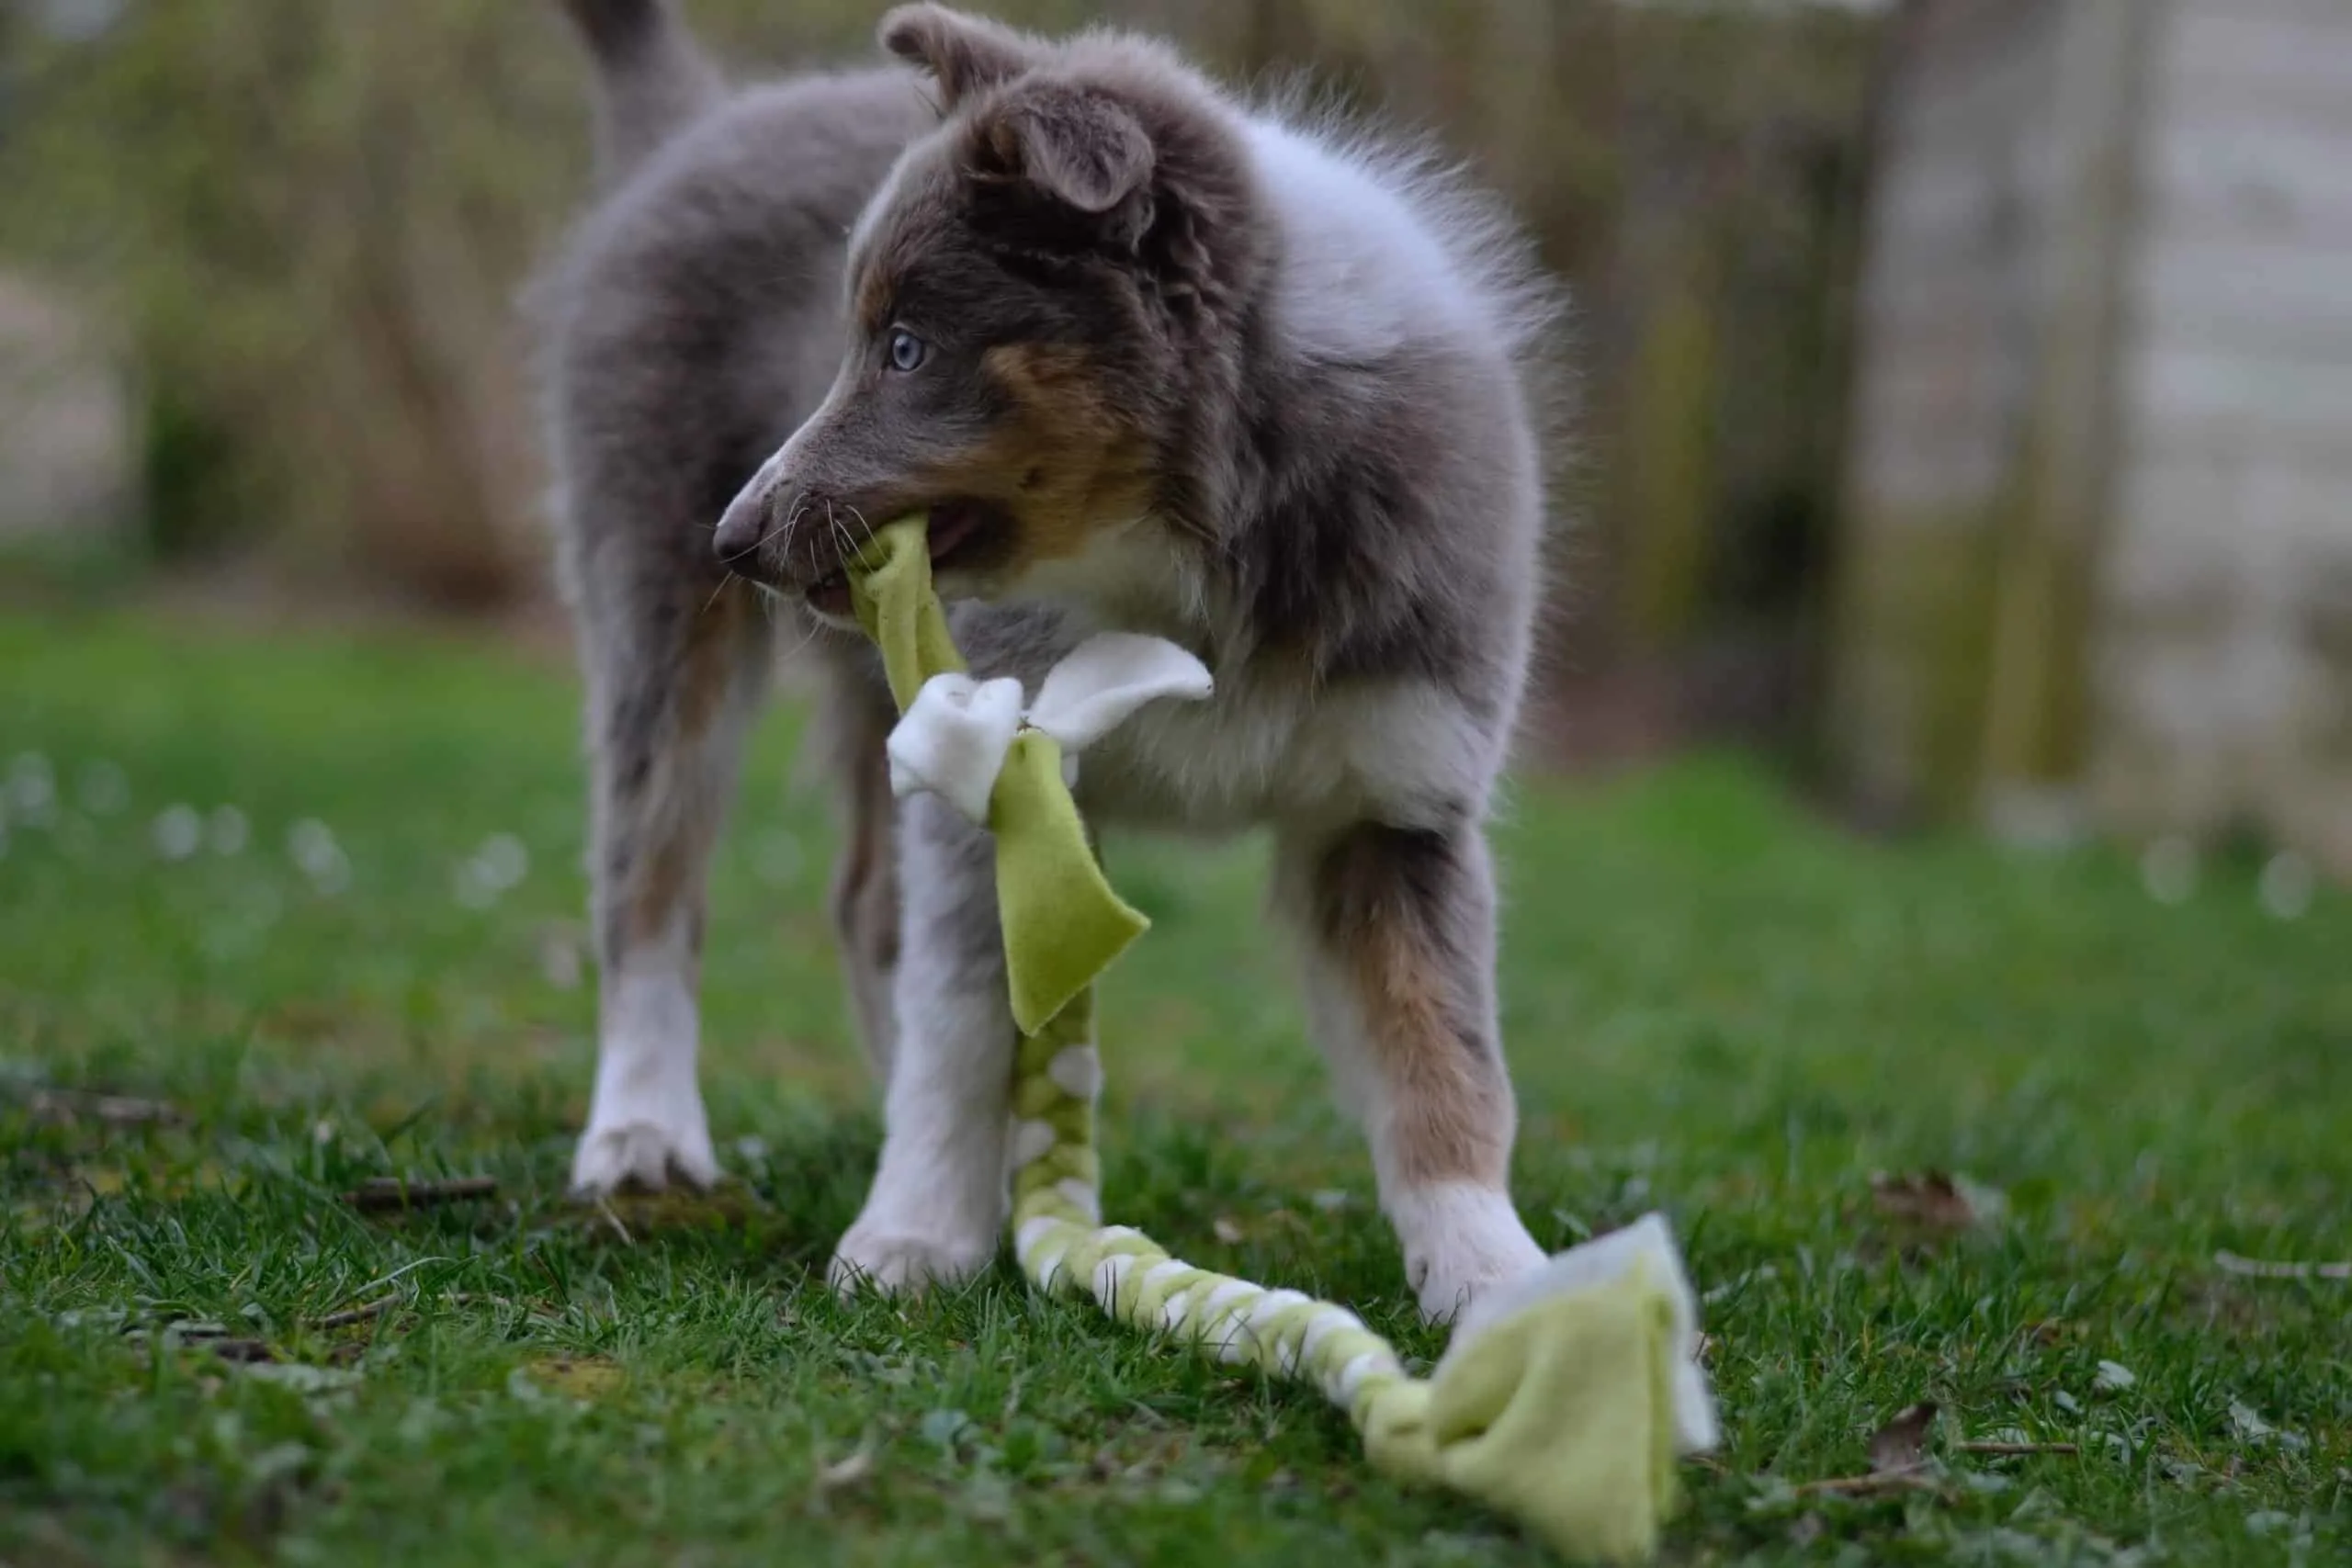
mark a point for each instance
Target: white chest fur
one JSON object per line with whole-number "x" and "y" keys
{"x": 1270, "y": 752}
{"x": 1270, "y": 747}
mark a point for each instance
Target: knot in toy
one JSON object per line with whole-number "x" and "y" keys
{"x": 1008, "y": 763}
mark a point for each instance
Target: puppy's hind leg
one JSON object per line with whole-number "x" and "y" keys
{"x": 857, "y": 717}
{"x": 674, "y": 676}
{"x": 1399, "y": 931}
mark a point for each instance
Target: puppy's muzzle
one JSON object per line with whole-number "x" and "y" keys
{"x": 799, "y": 539}
{"x": 788, "y": 535}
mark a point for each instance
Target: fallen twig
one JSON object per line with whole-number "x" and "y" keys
{"x": 244, "y": 1352}
{"x": 365, "y": 1313}
{"x": 2266, "y": 1268}
{"x": 1899, "y": 1460}
{"x": 384, "y": 1194}
{"x": 114, "y": 1110}
{"x": 2003, "y": 1449}
{"x": 186, "y": 1331}
{"x": 475, "y": 1298}
{"x": 1916, "y": 1479}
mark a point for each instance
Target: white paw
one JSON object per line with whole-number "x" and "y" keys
{"x": 899, "y": 1262}
{"x": 646, "y": 1125}
{"x": 1460, "y": 1241}
{"x": 644, "y": 1154}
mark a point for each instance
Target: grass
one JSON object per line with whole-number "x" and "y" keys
{"x": 1714, "y": 1005}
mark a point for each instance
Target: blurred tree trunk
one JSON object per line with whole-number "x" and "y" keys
{"x": 1667, "y": 474}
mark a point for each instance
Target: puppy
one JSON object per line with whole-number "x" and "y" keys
{"x": 1153, "y": 359}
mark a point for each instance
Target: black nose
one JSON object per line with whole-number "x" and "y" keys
{"x": 745, "y": 525}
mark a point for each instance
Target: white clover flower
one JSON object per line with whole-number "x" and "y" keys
{"x": 312, "y": 845}
{"x": 230, "y": 831}
{"x": 177, "y": 833}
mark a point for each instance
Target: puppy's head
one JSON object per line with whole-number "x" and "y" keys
{"x": 1033, "y": 303}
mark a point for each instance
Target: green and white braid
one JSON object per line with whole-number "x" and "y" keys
{"x": 1566, "y": 1396}
{"x": 1065, "y": 1248}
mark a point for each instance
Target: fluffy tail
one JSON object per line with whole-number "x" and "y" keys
{"x": 655, "y": 77}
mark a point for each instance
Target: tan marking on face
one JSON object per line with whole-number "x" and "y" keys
{"x": 1066, "y": 464}
{"x": 873, "y": 303}
{"x": 1060, "y": 460}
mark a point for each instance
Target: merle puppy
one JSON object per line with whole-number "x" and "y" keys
{"x": 1155, "y": 359}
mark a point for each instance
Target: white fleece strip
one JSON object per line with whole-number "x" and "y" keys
{"x": 1649, "y": 1241}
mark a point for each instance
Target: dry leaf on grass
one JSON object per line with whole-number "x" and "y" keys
{"x": 582, "y": 1377}
{"x": 1935, "y": 1201}
{"x": 1898, "y": 1459}
{"x": 1902, "y": 1444}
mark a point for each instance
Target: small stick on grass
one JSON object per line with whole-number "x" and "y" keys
{"x": 114, "y": 1110}
{"x": 244, "y": 1352}
{"x": 384, "y": 1194}
{"x": 2264, "y": 1269}
{"x": 366, "y": 1312}
{"x": 1914, "y": 1480}
{"x": 2005, "y": 1448}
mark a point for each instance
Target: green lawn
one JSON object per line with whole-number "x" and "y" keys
{"x": 1714, "y": 1005}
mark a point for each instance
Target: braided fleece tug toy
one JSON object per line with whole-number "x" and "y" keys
{"x": 1566, "y": 1396}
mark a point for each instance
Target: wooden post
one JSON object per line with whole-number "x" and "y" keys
{"x": 2036, "y": 720}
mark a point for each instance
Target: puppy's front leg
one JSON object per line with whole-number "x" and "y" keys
{"x": 675, "y": 677}
{"x": 1399, "y": 933}
{"x": 939, "y": 1199}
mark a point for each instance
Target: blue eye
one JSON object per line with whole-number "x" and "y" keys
{"x": 907, "y": 351}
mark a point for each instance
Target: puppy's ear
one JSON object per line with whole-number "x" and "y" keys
{"x": 963, "y": 55}
{"x": 1073, "y": 144}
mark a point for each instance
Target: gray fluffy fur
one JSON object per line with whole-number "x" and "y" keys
{"x": 1346, "y": 526}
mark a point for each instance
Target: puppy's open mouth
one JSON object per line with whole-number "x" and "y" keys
{"x": 960, "y": 532}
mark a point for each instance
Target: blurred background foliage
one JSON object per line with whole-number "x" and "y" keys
{"x": 303, "y": 226}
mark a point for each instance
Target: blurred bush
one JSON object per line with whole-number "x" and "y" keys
{"x": 309, "y": 219}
